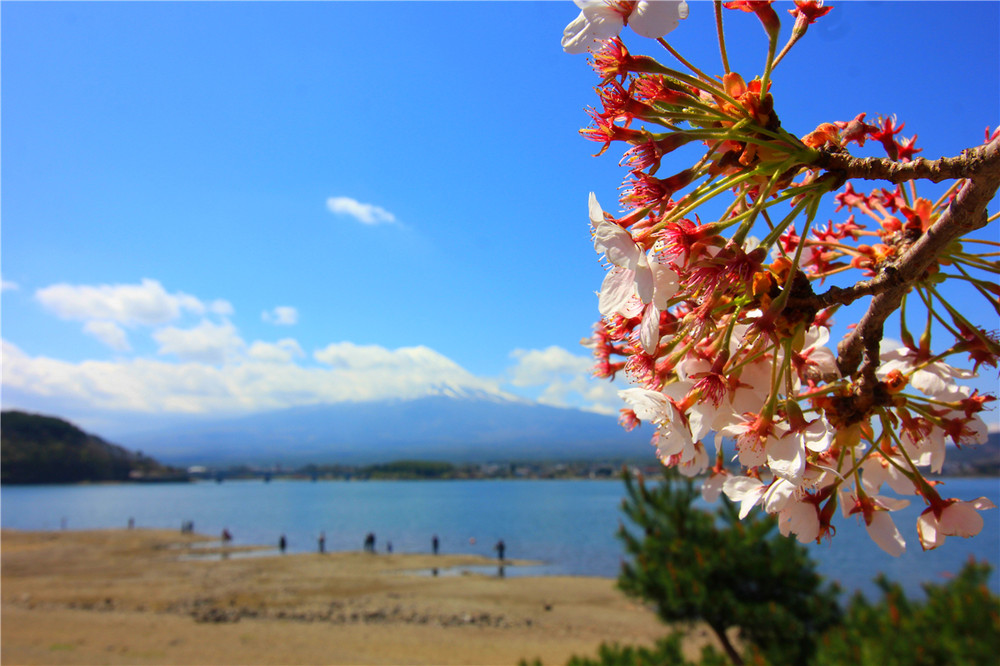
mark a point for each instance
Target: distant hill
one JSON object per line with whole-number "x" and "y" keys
{"x": 974, "y": 460}
{"x": 45, "y": 449}
{"x": 459, "y": 428}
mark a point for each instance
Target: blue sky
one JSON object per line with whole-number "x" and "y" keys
{"x": 214, "y": 208}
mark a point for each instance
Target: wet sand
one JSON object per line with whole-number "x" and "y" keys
{"x": 138, "y": 597}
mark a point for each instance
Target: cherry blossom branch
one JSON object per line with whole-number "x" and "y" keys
{"x": 982, "y": 160}
{"x": 966, "y": 213}
{"x": 971, "y": 162}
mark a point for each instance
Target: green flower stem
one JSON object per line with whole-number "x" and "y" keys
{"x": 781, "y": 198}
{"x": 729, "y": 331}
{"x": 775, "y": 234}
{"x": 726, "y": 184}
{"x": 746, "y": 225}
{"x": 981, "y": 286}
{"x": 976, "y": 262}
{"x": 904, "y": 332}
{"x": 914, "y": 400}
{"x": 772, "y": 401}
{"x": 772, "y": 46}
{"x": 682, "y": 60}
{"x": 990, "y": 344}
{"x": 722, "y": 35}
{"x": 955, "y": 314}
{"x": 965, "y": 276}
{"x": 789, "y": 390}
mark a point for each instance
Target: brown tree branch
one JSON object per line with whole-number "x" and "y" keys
{"x": 971, "y": 162}
{"x": 966, "y": 213}
{"x": 986, "y": 159}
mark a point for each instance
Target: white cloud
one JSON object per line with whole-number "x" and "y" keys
{"x": 283, "y": 315}
{"x": 7, "y": 285}
{"x": 263, "y": 376}
{"x": 564, "y": 379}
{"x": 349, "y": 356}
{"x": 205, "y": 343}
{"x": 282, "y": 351}
{"x": 541, "y": 366}
{"x": 109, "y": 333}
{"x": 362, "y": 212}
{"x": 147, "y": 303}
{"x": 136, "y": 385}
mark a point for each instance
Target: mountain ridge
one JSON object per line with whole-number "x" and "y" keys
{"x": 467, "y": 428}
{"x": 35, "y": 448}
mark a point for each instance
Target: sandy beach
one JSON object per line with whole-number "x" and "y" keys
{"x": 161, "y": 597}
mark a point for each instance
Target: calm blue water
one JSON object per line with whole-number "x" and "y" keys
{"x": 568, "y": 525}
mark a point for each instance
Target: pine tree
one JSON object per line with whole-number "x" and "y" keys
{"x": 693, "y": 565}
{"x": 958, "y": 622}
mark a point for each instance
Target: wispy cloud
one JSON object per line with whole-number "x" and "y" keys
{"x": 363, "y": 212}
{"x": 563, "y": 379}
{"x": 147, "y": 303}
{"x": 283, "y": 315}
{"x": 7, "y": 285}
{"x": 206, "y": 366}
{"x": 282, "y": 351}
{"x": 109, "y": 333}
{"x": 205, "y": 343}
{"x": 259, "y": 376}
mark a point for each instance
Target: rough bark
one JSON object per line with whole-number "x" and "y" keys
{"x": 980, "y": 169}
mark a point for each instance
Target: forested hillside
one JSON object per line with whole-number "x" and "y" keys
{"x": 45, "y": 449}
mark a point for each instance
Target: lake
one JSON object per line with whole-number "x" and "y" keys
{"x": 569, "y": 526}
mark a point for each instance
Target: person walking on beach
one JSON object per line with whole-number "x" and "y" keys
{"x": 282, "y": 543}
{"x": 500, "y": 548}
{"x": 435, "y": 543}
{"x": 322, "y": 542}
{"x": 370, "y": 543}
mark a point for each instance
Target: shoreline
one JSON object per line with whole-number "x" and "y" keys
{"x": 129, "y": 597}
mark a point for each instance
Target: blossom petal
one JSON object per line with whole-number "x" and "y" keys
{"x": 617, "y": 245}
{"x": 655, "y": 19}
{"x": 778, "y": 495}
{"x": 960, "y": 519}
{"x": 711, "y": 487}
{"x": 649, "y": 333}
{"x": 745, "y": 490}
{"x": 883, "y": 531}
{"x": 648, "y": 405}
{"x": 595, "y": 211}
{"x": 800, "y": 519}
{"x": 927, "y": 530}
{"x": 588, "y": 30}
{"x": 617, "y": 290}
{"x": 666, "y": 283}
{"x": 786, "y": 458}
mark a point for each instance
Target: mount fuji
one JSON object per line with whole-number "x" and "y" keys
{"x": 454, "y": 426}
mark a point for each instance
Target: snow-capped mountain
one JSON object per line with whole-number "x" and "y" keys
{"x": 457, "y": 426}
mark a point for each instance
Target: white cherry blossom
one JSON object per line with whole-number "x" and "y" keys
{"x": 616, "y": 244}
{"x": 879, "y": 524}
{"x": 876, "y": 470}
{"x": 957, "y": 519}
{"x": 800, "y": 518}
{"x": 746, "y": 490}
{"x": 600, "y": 20}
{"x": 711, "y": 487}
{"x": 937, "y": 380}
